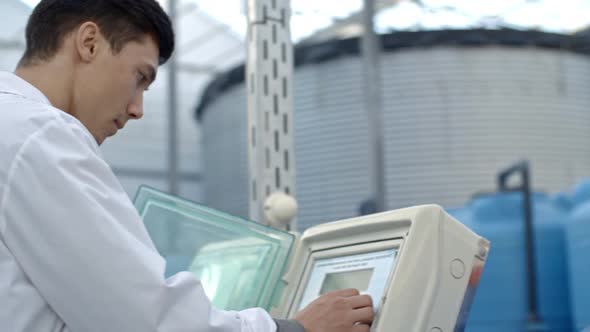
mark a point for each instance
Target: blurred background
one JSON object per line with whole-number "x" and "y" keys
{"x": 466, "y": 89}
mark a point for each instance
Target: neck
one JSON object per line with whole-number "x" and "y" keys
{"x": 53, "y": 79}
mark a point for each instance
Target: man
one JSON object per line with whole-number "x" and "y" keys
{"x": 74, "y": 254}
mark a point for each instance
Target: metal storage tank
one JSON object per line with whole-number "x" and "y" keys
{"x": 457, "y": 106}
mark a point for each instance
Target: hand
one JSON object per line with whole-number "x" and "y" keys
{"x": 339, "y": 311}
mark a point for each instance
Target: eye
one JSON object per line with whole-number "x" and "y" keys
{"x": 142, "y": 80}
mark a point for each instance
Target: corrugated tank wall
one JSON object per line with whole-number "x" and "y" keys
{"x": 453, "y": 116}
{"x": 332, "y": 141}
{"x": 225, "y": 154}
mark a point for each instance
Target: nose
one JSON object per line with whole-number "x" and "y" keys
{"x": 135, "y": 108}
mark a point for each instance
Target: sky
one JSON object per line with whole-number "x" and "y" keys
{"x": 309, "y": 15}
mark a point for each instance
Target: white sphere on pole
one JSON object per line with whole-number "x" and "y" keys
{"x": 280, "y": 209}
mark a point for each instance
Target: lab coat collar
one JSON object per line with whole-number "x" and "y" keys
{"x": 10, "y": 83}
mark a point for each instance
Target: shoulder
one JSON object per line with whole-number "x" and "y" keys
{"x": 39, "y": 137}
{"x": 24, "y": 120}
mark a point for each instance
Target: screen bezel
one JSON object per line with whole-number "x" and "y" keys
{"x": 353, "y": 249}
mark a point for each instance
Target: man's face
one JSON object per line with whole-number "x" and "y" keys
{"x": 109, "y": 90}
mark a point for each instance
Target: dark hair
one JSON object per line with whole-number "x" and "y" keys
{"x": 120, "y": 22}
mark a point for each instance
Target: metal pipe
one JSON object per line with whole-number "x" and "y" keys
{"x": 525, "y": 187}
{"x": 371, "y": 48}
{"x": 173, "y": 183}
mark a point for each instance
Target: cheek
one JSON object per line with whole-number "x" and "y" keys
{"x": 107, "y": 86}
{"x": 120, "y": 90}
{"x": 121, "y": 83}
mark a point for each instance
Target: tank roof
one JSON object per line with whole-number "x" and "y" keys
{"x": 333, "y": 49}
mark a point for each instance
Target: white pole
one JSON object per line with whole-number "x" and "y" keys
{"x": 173, "y": 183}
{"x": 372, "y": 79}
{"x": 269, "y": 77}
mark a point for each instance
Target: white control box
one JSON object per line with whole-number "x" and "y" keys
{"x": 420, "y": 266}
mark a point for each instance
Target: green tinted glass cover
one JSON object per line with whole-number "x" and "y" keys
{"x": 239, "y": 262}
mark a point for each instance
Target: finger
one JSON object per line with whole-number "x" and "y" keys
{"x": 360, "y": 301}
{"x": 361, "y": 328}
{"x": 363, "y": 315}
{"x": 348, "y": 292}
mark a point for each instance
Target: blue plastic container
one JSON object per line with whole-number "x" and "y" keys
{"x": 563, "y": 201}
{"x": 581, "y": 193}
{"x": 463, "y": 214}
{"x": 578, "y": 234}
{"x": 501, "y": 300}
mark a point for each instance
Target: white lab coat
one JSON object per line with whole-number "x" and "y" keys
{"x": 74, "y": 253}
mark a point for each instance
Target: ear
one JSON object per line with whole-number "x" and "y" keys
{"x": 88, "y": 40}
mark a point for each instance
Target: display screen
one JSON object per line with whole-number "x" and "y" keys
{"x": 367, "y": 272}
{"x": 341, "y": 280}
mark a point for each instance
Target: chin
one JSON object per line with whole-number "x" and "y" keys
{"x": 99, "y": 140}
